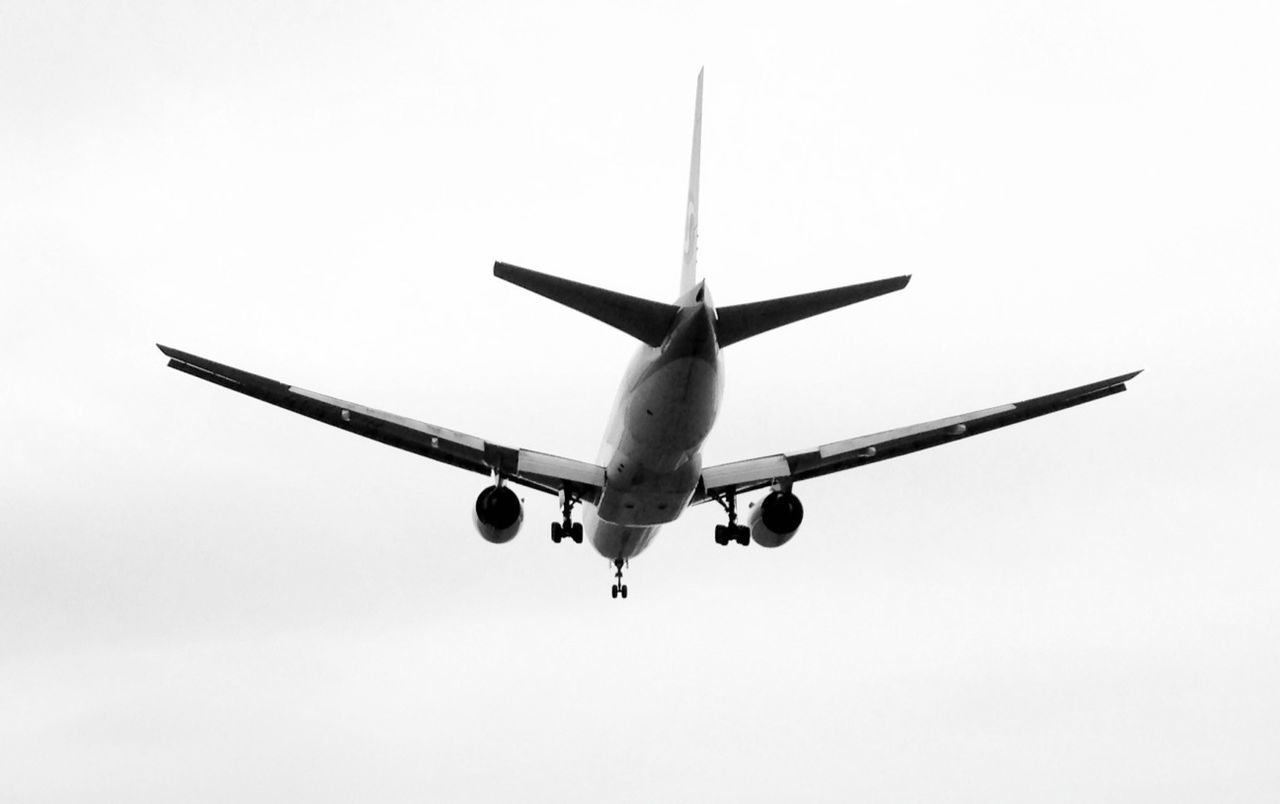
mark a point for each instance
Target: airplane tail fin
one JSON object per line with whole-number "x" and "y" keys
{"x": 689, "y": 266}
{"x": 646, "y": 320}
{"x": 741, "y": 321}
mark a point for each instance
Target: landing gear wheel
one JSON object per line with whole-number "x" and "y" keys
{"x": 566, "y": 528}
{"x": 733, "y": 532}
{"x": 619, "y": 588}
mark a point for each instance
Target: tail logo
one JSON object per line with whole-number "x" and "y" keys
{"x": 691, "y": 229}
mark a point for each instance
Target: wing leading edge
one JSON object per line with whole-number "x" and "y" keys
{"x": 536, "y": 470}
{"x": 757, "y": 473}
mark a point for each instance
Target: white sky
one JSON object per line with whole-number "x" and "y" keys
{"x": 204, "y": 598}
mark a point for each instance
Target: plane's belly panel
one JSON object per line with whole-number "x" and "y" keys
{"x": 637, "y": 500}
{"x": 670, "y": 411}
{"x": 642, "y": 507}
{"x": 615, "y": 540}
{"x": 651, "y": 455}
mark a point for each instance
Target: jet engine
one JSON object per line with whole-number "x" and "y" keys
{"x": 498, "y": 514}
{"x": 775, "y": 519}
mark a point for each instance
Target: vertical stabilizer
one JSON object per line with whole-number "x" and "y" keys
{"x": 689, "y": 268}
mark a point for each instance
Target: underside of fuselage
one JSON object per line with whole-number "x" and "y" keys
{"x": 665, "y": 408}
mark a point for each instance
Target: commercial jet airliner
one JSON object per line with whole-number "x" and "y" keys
{"x": 649, "y": 469}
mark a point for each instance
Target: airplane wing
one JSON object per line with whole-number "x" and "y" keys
{"x": 536, "y": 470}
{"x": 763, "y": 472}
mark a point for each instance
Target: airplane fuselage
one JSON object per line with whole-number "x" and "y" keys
{"x": 665, "y": 409}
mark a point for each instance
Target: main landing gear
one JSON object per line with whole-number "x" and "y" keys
{"x": 733, "y": 532}
{"x": 619, "y": 588}
{"x": 568, "y": 529}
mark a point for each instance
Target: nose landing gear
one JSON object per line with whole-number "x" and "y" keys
{"x": 619, "y": 588}
{"x": 567, "y": 529}
{"x": 733, "y": 532}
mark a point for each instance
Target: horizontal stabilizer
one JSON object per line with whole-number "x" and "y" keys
{"x": 741, "y": 321}
{"x": 643, "y": 319}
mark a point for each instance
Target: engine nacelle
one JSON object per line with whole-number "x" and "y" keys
{"x": 775, "y": 519}
{"x": 498, "y": 514}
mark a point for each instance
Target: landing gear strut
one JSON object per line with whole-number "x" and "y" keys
{"x": 733, "y": 532}
{"x": 619, "y": 588}
{"x": 567, "y": 529}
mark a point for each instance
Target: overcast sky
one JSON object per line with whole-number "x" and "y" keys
{"x": 204, "y": 598}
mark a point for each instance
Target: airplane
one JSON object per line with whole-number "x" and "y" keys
{"x": 649, "y": 469}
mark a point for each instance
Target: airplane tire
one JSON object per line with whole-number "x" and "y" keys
{"x": 615, "y": 590}
{"x": 624, "y": 591}
{"x": 557, "y": 533}
{"x": 577, "y": 533}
